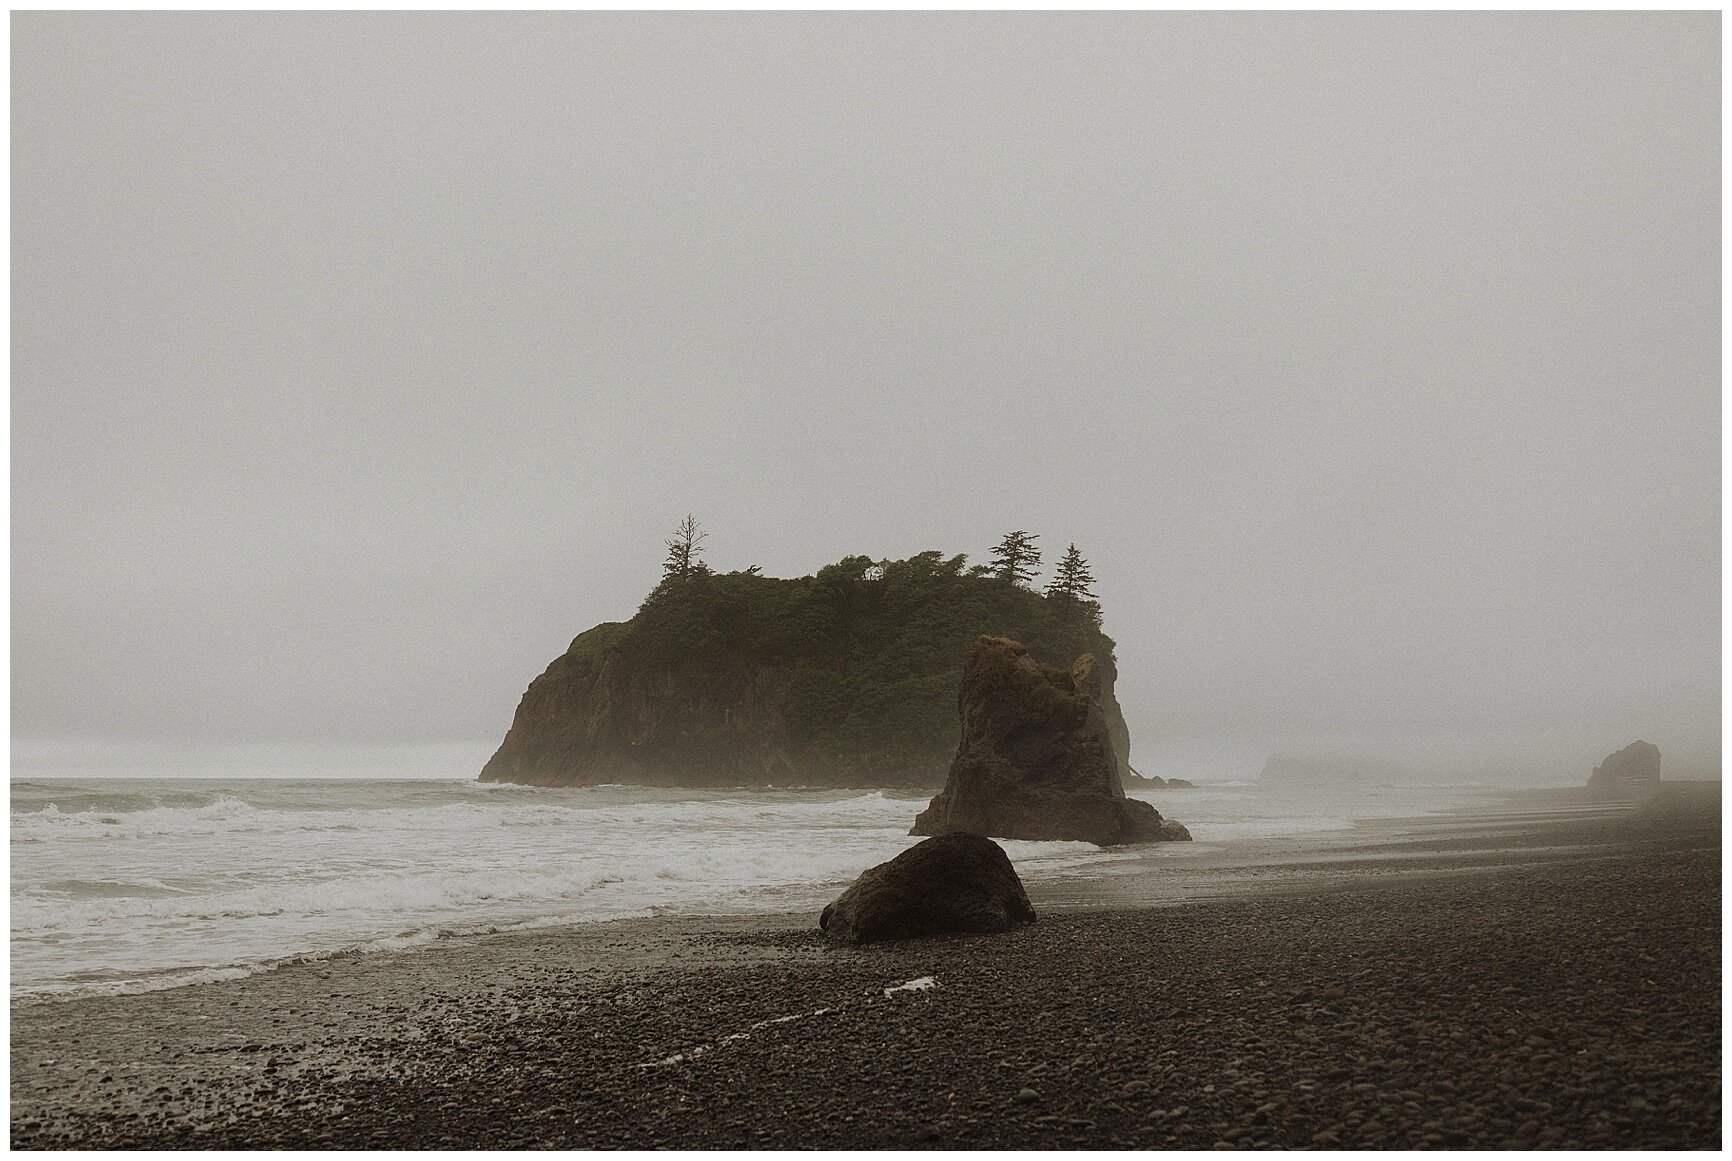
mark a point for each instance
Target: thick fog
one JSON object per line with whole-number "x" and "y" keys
{"x": 360, "y": 361}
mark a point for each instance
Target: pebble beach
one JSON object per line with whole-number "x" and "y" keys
{"x": 1529, "y": 978}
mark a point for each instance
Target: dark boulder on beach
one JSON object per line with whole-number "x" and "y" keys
{"x": 1036, "y": 759}
{"x": 1634, "y": 768}
{"x": 950, "y": 883}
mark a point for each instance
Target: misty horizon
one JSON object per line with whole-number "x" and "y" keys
{"x": 1372, "y": 360}
{"x": 526, "y": 627}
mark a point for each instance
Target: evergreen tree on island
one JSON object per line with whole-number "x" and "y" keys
{"x": 1069, "y": 587}
{"x": 1016, "y": 559}
{"x": 1072, "y": 581}
{"x": 683, "y": 550}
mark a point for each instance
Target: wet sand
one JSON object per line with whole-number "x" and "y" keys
{"x": 1545, "y": 973}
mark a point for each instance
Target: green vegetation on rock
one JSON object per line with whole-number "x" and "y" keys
{"x": 879, "y": 646}
{"x": 845, "y": 677}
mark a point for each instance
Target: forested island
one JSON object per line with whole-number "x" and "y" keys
{"x": 845, "y": 678}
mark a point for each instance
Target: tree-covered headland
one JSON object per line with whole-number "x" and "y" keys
{"x": 848, "y": 676}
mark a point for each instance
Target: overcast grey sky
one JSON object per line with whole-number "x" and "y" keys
{"x": 360, "y": 361}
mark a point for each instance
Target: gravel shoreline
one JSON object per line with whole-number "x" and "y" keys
{"x": 1551, "y": 985}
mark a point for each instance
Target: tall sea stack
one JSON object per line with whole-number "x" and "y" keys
{"x": 1036, "y": 759}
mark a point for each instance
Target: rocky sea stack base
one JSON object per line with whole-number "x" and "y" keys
{"x": 1036, "y": 760}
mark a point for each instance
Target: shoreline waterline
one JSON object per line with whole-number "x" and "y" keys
{"x": 485, "y": 907}
{"x": 136, "y": 885}
{"x": 539, "y": 1037}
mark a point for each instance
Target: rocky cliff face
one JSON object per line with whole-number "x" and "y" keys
{"x": 1036, "y": 757}
{"x": 601, "y": 713}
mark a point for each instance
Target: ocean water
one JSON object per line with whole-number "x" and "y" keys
{"x": 135, "y": 884}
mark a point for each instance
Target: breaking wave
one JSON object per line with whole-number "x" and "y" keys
{"x": 226, "y": 813}
{"x": 139, "y": 884}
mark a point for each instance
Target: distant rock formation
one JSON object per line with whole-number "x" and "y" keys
{"x": 1135, "y": 781}
{"x": 1036, "y": 759}
{"x": 1634, "y": 768}
{"x": 954, "y": 882}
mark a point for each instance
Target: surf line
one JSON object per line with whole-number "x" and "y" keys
{"x": 923, "y": 984}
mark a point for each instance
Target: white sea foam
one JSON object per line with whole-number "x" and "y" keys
{"x": 135, "y": 884}
{"x": 121, "y": 890}
{"x": 229, "y": 814}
